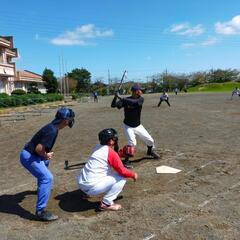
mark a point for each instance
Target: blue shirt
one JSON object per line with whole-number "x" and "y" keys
{"x": 46, "y": 136}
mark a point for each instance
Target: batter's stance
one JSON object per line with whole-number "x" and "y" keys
{"x": 132, "y": 124}
{"x": 36, "y": 155}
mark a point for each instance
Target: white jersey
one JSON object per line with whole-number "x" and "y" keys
{"x": 104, "y": 161}
{"x": 164, "y": 96}
{"x": 236, "y": 92}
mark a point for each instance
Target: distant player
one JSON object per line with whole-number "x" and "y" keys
{"x": 132, "y": 123}
{"x": 176, "y": 91}
{"x": 95, "y": 96}
{"x": 104, "y": 172}
{"x": 164, "y": 97}
{"x": 37, "y": 154}
{"x": 236, "y": 91}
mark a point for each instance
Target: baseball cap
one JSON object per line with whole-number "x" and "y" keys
{"x": 64, "y": 113}
{"x": 136, "y": 87}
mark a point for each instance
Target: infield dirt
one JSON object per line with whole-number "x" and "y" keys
{"x": 198, "y": 134}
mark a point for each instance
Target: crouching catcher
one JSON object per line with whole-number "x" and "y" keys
{"x": 104, "y": 172}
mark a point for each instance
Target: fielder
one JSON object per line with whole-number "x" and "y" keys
{"x": 164, "y": 97}
{"x": 36, "y": 155}
{"x": 104, "y": 171}
{"x": 236, "y": 91}
{"x": 132, "y": 124}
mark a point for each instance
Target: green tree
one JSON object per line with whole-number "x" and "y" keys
{"x": 83, "y": 78}
{"x": 51, "y": 83}
{"x": 220, "y": 75}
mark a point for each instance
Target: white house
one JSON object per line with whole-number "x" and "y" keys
{"x": 24, "y": 79}
{"x": 7, "y": 67}
{"x": 10, "y": 78}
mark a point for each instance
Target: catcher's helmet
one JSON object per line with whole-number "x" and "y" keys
{"x": 106, "y": 134}
{"x": 64, "y": 114}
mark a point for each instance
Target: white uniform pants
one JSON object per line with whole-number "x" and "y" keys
{"x": 141, "y": 132}
{"x": 112, "y": 185}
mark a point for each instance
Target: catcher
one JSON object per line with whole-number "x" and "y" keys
{"x": 132, "y": 124}
{"x": 37, "y": 154}
{"x": 104, "y": 171}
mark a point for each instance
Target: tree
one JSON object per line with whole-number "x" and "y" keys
{"x": 220, "y": 76}
{"x": 198, "y": 78}
{"x": 83, "y": 78}
{"x": 51, "y": 83}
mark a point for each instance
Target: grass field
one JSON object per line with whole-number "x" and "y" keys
{"x": 215, "y": 87}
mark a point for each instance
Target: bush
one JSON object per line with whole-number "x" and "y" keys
{"x": 33, "y": 89}
{"x": 18, "y": 92}
{"x": 4, "y": 95}
{"x": 28, "y": 99}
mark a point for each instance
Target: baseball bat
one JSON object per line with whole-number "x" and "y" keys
{"x": 121, "y": 82}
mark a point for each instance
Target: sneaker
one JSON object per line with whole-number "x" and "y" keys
{"x": 152, "y": 152}
{"x": 127, "y": 164}
{"x": 46, "y": 216}
{"x": 113, "y": 207}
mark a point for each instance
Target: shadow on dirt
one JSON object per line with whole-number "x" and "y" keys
{"x": 75, "y": 201}
{"x": 74, "y": 166}
{"x": 80, "y": 165}
{"x": 141, "y": 159}
{"x": 11, "y": 204}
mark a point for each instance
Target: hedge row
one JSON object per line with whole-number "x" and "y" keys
{"x": 27, "y": 99}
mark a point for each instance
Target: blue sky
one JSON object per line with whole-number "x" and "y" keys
{"x": 145, "y": 37}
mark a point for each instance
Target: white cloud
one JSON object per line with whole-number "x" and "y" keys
{"x": 81, "y": 35}
{"x": 188, "y": 45}
{"x": 231, "y": 27}
{"x": 209, "y": 42}
{"x": 187, "y": 29}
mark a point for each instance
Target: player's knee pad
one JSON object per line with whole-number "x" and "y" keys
{"x": 127, "y": 151}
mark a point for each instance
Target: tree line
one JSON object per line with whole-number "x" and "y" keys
{"x": 79, "y": 81}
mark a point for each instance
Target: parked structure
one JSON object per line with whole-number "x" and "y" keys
{"x": 10, "y": 78}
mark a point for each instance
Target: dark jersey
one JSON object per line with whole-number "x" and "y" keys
{"x": 132, "y": 109}
{"x": 46, "y": 136}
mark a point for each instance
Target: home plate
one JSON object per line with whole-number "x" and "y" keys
{"x": 166, "y": 169}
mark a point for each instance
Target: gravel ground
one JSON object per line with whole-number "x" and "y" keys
{"x": 198, "y": 134}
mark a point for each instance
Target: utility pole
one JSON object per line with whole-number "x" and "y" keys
{"x": 60, "y": 75}
{"x": 64, "y": 81}
{"x": 109, "y": 83}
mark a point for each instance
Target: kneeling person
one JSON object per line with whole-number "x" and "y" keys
{"x": 104, "y": 171}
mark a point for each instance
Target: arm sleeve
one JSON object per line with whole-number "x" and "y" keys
{"x": 48, "y": 140}
{"x": 117, "y": 104}
{"x": 133, "y": 102}
{"x": 116, "y": 163}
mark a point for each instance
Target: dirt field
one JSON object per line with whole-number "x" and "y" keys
{"x": 198, "y": 134}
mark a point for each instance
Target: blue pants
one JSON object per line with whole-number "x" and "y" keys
{"x": 39, "y": 169}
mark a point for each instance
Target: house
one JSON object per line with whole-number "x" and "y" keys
{"x": 7, "y": 67}
{"x": 10, "y": 77}
{"x": 25, "y": 79}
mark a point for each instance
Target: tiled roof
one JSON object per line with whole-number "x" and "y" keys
{"x": 28, "y": 74}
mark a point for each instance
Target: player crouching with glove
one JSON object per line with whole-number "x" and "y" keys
{"x": 104, "y": 171}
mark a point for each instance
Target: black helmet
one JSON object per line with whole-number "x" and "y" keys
{"x": 106, "y": 134}
{"x": 64, "y": 113}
